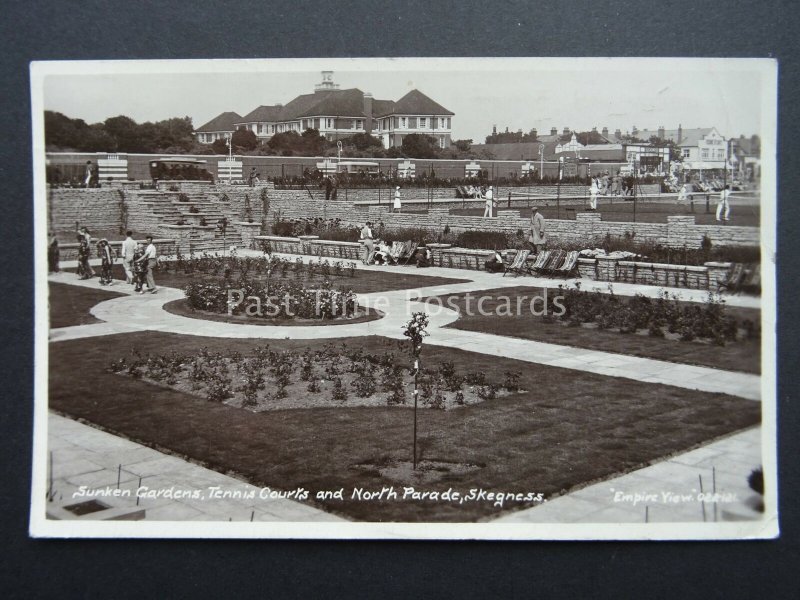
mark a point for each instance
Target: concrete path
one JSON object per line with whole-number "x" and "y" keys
{"x": 669, "y": 491}
{"x": 87, "y": 464}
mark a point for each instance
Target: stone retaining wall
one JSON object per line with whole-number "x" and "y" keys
{"x": 706, "y": 277}
{"x": 95, "y": 208}
{"x": 100, "y": 209}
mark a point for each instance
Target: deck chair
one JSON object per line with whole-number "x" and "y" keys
{"x": 408, "y": 254}
{"x": 519, "y": 265}
{"x": 541, "y": 260}
{"x": 752, "y": 279}
{"x": 569, "y": 264}
{"x": 553, "y": 261}
{"x": 735, "y": 277}
{"x": 396, "y": 251}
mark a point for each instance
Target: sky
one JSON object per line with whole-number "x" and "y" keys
{"x": 514, "y": 93}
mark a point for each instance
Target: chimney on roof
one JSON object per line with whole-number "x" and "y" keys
{"x": 617, "y": 133}
{"x": 661, "y": 133}
{"x": 368, "y": 112}
{"x": 534, "y": 133}
{"x": 680, "y": 133}
{"x": 594, "y": 129}
{"x": 634, "y": 131}
{"x": 553, "y": 131}
{"x": 494, "y": 129}
{"x": 566, "y": 130}
{"x": 605, "y": 131}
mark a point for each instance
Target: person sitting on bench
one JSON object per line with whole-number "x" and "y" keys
{"x": 423, "y": 258}
{"x": 495, "y": 264}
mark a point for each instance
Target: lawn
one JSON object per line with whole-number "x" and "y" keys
{"x": 363, "y": 282}
{"x": 622, "y": 210}
{"x": 568, "y": 429}
{"x": 742, "y": 355}
{"x": 70, "y": 304}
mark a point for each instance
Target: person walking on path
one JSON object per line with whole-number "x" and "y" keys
{"x": 139, "y": 268}
{"x": 128, "y": 248}
{"x": 53, "y": 253}
{"x": 723, "y": 205}
{"x": 84, "y": 270}
{"x": 488, "y": 210}
{"x": 593, "y": 191}
{"x": 369, "y": 246}
{"x": 149, "y": 259}
{"x": 86, "y": 236}
{"x": 107, "y": 259}
{"x": 538, "y": 236}
{"x": 396, "y": 199}
{"x": 251, "y": 178}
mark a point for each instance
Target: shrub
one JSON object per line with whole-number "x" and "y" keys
{"x": 511, "y": 381}
{"x": 339, "y": 393}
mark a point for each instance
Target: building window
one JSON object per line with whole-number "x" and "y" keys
{"x": 704, "y": 154}
{"x": 448, "y": 122}
{"x": 329, "y": 123}
{"x": 423, "y": 122}
{"x": 687, "y": 152}
{"x": 402, "y": 122}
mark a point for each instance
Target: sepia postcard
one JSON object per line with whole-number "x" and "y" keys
{"x": 473, "y": 298}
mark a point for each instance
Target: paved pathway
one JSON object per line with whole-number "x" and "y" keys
{"x": 85, "y": 458}
{"x": 665, "y": 492}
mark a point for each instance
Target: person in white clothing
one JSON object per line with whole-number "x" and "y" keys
{"x": 683, "y": 195}
{"x": 723, "y": 206}
{"x": 593, "y": 191}
{"x": 149, "y": 258}
{"x": 488, "y": 211}
{"x": 396, "y": 199}
{"x": 128, "y": 248}
{"x": 369, "y": 245}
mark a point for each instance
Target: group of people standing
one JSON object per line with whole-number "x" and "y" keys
{"x": 607, "y": 185}
{"x": 138, "y": 260}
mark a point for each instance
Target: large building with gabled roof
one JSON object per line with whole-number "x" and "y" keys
{"x": 338, "y": 114}
{"x": 219, "y": 127}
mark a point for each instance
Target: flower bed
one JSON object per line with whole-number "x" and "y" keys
{"x": 275, "y": 300}
{"x": 663, "y": 316}
{"x": 330, "y": 377}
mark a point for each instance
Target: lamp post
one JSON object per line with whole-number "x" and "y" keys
{"x": 229, "y": 141}
{"x": 541, "y": 161}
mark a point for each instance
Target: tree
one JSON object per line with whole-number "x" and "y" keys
{"x": 313, "y": 144}
{"x": 362, "y": 141}
{"x": 417, "y": 145}
{"x": 244, "y": 139}
{"x": 126, "y": 133}
{"x": 463, "y": 145}
{"x": 219, "y": 146}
